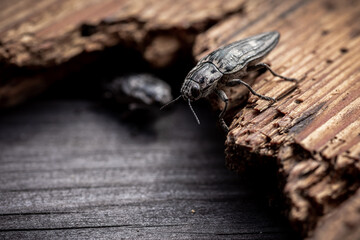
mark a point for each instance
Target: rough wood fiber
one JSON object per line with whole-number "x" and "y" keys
{"x": 70, "y": 170}
{"x": 313, "y": 130}
{"x": 48, "y": 33}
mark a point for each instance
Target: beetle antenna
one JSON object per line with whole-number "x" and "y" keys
{"x": 167, "y": 104}
{"x": 197, "y": 119}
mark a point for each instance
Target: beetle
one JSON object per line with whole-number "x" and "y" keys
{"x": 225, "y": 67}
{"x": 137, "y": 91}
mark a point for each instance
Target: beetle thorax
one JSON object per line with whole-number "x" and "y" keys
{"x": 200, "y": 81}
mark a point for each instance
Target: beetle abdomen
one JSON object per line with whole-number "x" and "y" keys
{"x": 235, "y": 56}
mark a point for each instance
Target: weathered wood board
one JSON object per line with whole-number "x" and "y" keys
{"x": 72, "y": 170}
{"x": 313, "y": 130}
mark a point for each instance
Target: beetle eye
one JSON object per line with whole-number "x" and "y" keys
{"x": 202, "y": 80}
{"x": 195, "y": 92}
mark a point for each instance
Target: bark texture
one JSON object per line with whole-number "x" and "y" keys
{"x": 312, "y": 132}
{"x": 48, "y": 34}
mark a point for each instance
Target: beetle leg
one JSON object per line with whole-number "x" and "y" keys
{"x": 234, "y": 82}
{"x": 264, "y": 65}
{"x": 224, "y": 98}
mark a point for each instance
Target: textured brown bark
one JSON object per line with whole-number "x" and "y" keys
{"x": 312, "y": 132}
{"x": 47, "y": 34}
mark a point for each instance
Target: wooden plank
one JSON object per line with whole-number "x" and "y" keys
{"x": 312, "y": 132}
{"x": 70, "y": 169}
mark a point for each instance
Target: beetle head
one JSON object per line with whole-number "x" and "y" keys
{"x": 200, "y": 81}
{"x": 191, "y": 90}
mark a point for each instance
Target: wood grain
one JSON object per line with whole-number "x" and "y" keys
{"x": 39, "y": 37}
{"x": 312, "y": 131}
{"x": 70, "y": 169}
{"x": 52, "y": 32}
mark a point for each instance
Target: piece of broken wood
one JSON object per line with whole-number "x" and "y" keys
{"x": 37, "y": 35}
{"x": 312, "y": 132}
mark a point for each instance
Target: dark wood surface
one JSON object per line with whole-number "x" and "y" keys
{"x": 71, "y": 169}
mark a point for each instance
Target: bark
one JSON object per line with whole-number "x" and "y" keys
{"x": 312, "y": 133}
{"x": 49, "y": 34}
